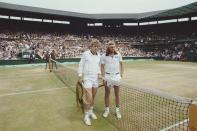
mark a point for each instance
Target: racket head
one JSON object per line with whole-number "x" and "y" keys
{"x": 79, "y": 96}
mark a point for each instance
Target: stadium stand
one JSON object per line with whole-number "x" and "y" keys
{"x": 15, "y": 45}
{"x": 169, "y": 41}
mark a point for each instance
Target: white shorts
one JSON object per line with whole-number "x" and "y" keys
{"x": 112, "y": 79}
{"x": 90, "y": 81}
{"x": 90, "y": 84}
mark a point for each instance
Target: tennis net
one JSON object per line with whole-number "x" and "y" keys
{"x": 142, "y": 109}
{"x": 65, "y": 74}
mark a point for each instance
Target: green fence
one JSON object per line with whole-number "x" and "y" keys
{"x": 26, "y": 61}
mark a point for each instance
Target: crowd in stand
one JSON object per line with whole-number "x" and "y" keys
{"x": 14, "y": 45}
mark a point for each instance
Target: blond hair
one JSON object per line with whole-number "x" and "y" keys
{"x": 110, "y": 44}
{"x": 95, "y": 42}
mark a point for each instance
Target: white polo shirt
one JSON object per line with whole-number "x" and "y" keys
{"x": 89, "y": 64}
{"x": 112, "y": 63}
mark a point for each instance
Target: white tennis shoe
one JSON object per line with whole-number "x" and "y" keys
{"x": 93, "y": 116}
{"x": 106, "y": 112}
{"x": 87, "y": 121}
{"x": 118, "y": 114}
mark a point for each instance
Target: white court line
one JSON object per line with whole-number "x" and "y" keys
{"x": 35, "y": 91}
{"x": 22, "y": 76}
{"x": 177, "y": 124}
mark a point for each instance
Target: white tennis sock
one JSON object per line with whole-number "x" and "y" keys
{"x": 91, "y": 109}
{"x": 107, "y": 108}
{"x": 86, "y": 114}
{"x": 117, "y": 109}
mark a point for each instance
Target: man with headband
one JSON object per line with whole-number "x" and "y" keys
{"x": 112, "y": 71}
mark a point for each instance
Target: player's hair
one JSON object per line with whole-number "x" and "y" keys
{"x": 109, "y": 44}
{"x": 95, "y": 42}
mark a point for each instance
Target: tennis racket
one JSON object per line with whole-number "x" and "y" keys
{"x": 79, "y": 95}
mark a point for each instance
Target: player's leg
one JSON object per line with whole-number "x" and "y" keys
{"x": 107, "y": 94}
{"x": 117, "y": 95}
{"x": 92, "y": 114}
{"x": 46, "y": 65}
{"x": 55, "y": 65}
{"x": 117, "y": 98}
{"x": 52, "y": 64}
{"x": 87, "y": 101}
{"x": 94, "y": 91}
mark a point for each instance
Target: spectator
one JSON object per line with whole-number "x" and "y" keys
{"x": 53, "y": 57}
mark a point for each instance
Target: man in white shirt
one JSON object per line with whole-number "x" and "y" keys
{"x": 112, "y": 71}
{"x": 89, "y": 74}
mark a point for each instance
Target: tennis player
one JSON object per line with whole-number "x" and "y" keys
{"x": 89, "y": 73}
{"x": 112, "y": 71}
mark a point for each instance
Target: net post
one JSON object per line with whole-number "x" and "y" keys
{"x": 50, "y": 65}
{"x": 193, "y": 116}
